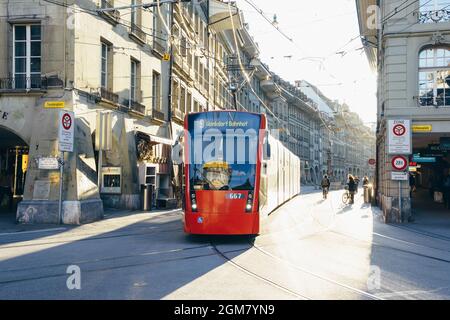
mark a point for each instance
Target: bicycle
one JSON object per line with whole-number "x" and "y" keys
{"x": 346, "y": 196}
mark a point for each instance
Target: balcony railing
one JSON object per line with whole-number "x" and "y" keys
{"x": 158, "y": 46}
{"x": 30, "y": 83}
{"x": 138, "y": 33}
{"x": 110, "y": 96}
{"x": 435, "y": 16}
{"x": 112, "y": 16}
{"x": 158, "y": 115}
{"x": 178, "y": 114}
{"x": 137, "y": 107}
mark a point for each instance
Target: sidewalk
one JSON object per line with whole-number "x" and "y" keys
{"x": 429, "y": 217}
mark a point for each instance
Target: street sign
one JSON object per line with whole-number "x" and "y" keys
{"x": 54, "y": 105}
{"x": 399, "y": 163}
{"x": 399, "y": 176}
{"x": 372, "y": 162}
{"x": 399, "y": 136}
{"x": 417, "y": 128}
{"x": 66, "y": 131}
{"x": 420, "y": 159}
{"x": 48, "y": 164}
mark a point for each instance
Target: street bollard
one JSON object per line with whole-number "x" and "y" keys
{"x": 367, "y": 194}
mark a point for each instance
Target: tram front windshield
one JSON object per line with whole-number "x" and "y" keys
{"x": 223, "y": 150}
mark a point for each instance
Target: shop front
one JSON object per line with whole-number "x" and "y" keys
{"x": 153, "y": 155}
{"x": 429, "y": 168}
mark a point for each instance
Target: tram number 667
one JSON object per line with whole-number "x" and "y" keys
{"x": 235, "y": 196}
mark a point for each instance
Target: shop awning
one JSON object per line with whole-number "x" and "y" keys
{"x": 154, "y": 139}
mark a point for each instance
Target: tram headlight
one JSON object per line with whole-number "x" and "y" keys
{"x": 249, "y": 206}
{"x": 194, "y": 206}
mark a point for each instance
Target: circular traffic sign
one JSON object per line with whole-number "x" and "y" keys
{"x": 372, "y": 162}
{"x": 399, "y": 163}
{"x": 66, "y": 121}
{"x": 399, "y": 130}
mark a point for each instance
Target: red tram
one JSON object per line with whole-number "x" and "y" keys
{"x": 235, "y": 173}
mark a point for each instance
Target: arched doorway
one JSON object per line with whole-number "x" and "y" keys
{"x": 13, "y": 168}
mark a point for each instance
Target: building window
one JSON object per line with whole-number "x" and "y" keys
{"x": 434, "y": 76}
{"x": 434, "y": 11}
{"x": 156, "y": 91}
{"x": 175, "y": 95}
{"x": 134, "y": 80}
{"x": 104, "y": 66}
{"x": 27, "y": 56}
{"x": 189, "y": 103}
{"x": 183, "y": 99}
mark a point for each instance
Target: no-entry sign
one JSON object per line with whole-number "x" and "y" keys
{"x": 399, "y": 163}
{"x": 66, "y": 131}
{"x": 399, "y": 136}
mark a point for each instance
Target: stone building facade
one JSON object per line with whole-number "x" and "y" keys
{"x": 408, "y": 45}
{"x": 144, "y": 70}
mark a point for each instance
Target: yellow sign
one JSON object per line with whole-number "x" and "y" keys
{"x": 24, "y": 163}
{"x": 166, "y": 57}
{"x": 422, "y": 128}
{"x": 54, "y": 105}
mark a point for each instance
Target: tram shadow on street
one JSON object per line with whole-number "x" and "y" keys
{"x": 149, "y": 259}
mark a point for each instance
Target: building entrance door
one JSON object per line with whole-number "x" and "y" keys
{"x": 13, "y": 168}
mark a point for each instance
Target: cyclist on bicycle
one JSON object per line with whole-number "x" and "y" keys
{"x": 352, "y": 188}
{"x": 325, "y": 186}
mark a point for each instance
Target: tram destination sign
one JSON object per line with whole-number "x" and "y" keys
{"x": 399, "y": 137}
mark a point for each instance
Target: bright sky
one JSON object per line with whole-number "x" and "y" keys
{"x": 319, "y": 28}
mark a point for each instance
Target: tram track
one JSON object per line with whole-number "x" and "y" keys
{"x": 303, "y": 270}
{"x": 256, "y": 276}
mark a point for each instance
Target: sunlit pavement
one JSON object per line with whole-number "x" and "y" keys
{"x": 311, "y": 249}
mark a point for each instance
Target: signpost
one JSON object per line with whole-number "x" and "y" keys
{"x": 66, "y": 138}
{"x": 399, "y": 176}
{"x": 400, "y": 144}
{"x": 399, "y": 163}
{"x": 399, "y": 136}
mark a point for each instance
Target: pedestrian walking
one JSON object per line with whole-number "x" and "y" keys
{"x": 356, "y": 179}
{"x": 351, "y": 188}
{"x": 365, "y": 181}
{"x": 412, "y": 184}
